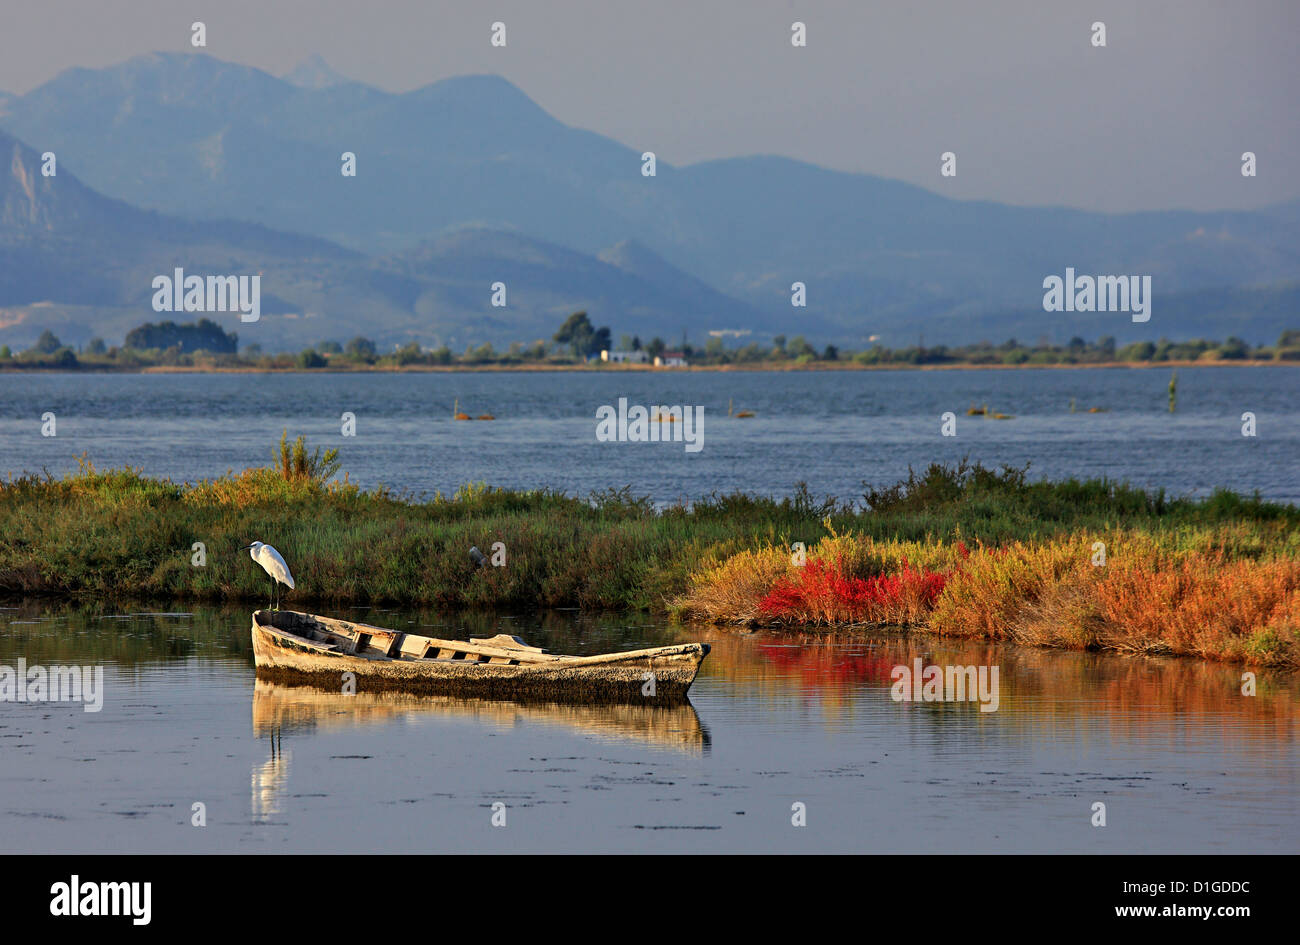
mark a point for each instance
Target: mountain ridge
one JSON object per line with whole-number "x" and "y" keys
{"x": 315, "y": 73}
{"x": 190, "y": 136}
{"x": 82, "y": 264}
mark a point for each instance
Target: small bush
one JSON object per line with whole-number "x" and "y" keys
{"x": 297, "y": 465}
{"x": 311, "y": 358}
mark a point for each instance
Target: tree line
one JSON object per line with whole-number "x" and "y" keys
{"x": 578, "y": 339}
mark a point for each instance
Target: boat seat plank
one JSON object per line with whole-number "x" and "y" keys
{"x": 475, "y": 649}
{"x": 413, "y": 646}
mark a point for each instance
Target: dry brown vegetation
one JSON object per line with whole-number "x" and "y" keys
{"x": 1149, "y": 596}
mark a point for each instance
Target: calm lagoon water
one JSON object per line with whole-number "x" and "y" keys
{"x": 831, "y": 429}
{"x": 1182, "y": 761}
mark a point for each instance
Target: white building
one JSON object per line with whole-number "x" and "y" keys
{"x": 671, "y": 359}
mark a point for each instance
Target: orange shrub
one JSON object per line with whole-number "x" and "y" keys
{"x": 1204, "y": 605}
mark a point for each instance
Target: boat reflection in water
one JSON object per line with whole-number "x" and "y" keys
{"x": 279, "y": 709}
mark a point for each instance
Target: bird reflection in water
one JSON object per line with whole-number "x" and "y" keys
{"x": 270, "y": 778}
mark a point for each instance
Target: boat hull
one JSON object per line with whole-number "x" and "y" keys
{"x": 657, "y": 676}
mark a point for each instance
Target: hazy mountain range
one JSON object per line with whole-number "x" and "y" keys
{"x": 467, "y": 182}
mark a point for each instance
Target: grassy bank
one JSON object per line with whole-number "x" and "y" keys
{"x": 1077, "y": 565}
{"x": 963, "y": 550}
{"x": 1160, "y": 594}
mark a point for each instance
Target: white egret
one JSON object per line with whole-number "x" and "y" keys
{"x": 273, "y": 564}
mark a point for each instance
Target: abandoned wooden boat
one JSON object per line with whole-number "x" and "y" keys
{"x": 306, "y": 648}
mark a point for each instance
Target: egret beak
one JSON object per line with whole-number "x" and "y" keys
{"x": 245, "y": 547}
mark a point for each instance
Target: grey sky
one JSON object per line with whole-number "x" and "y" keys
{"x": 1157, "y": 119}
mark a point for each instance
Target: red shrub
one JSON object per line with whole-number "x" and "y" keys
{"x": 822, "y": 593}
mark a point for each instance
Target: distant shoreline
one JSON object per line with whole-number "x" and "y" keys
{"x": 605, "y": 367}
